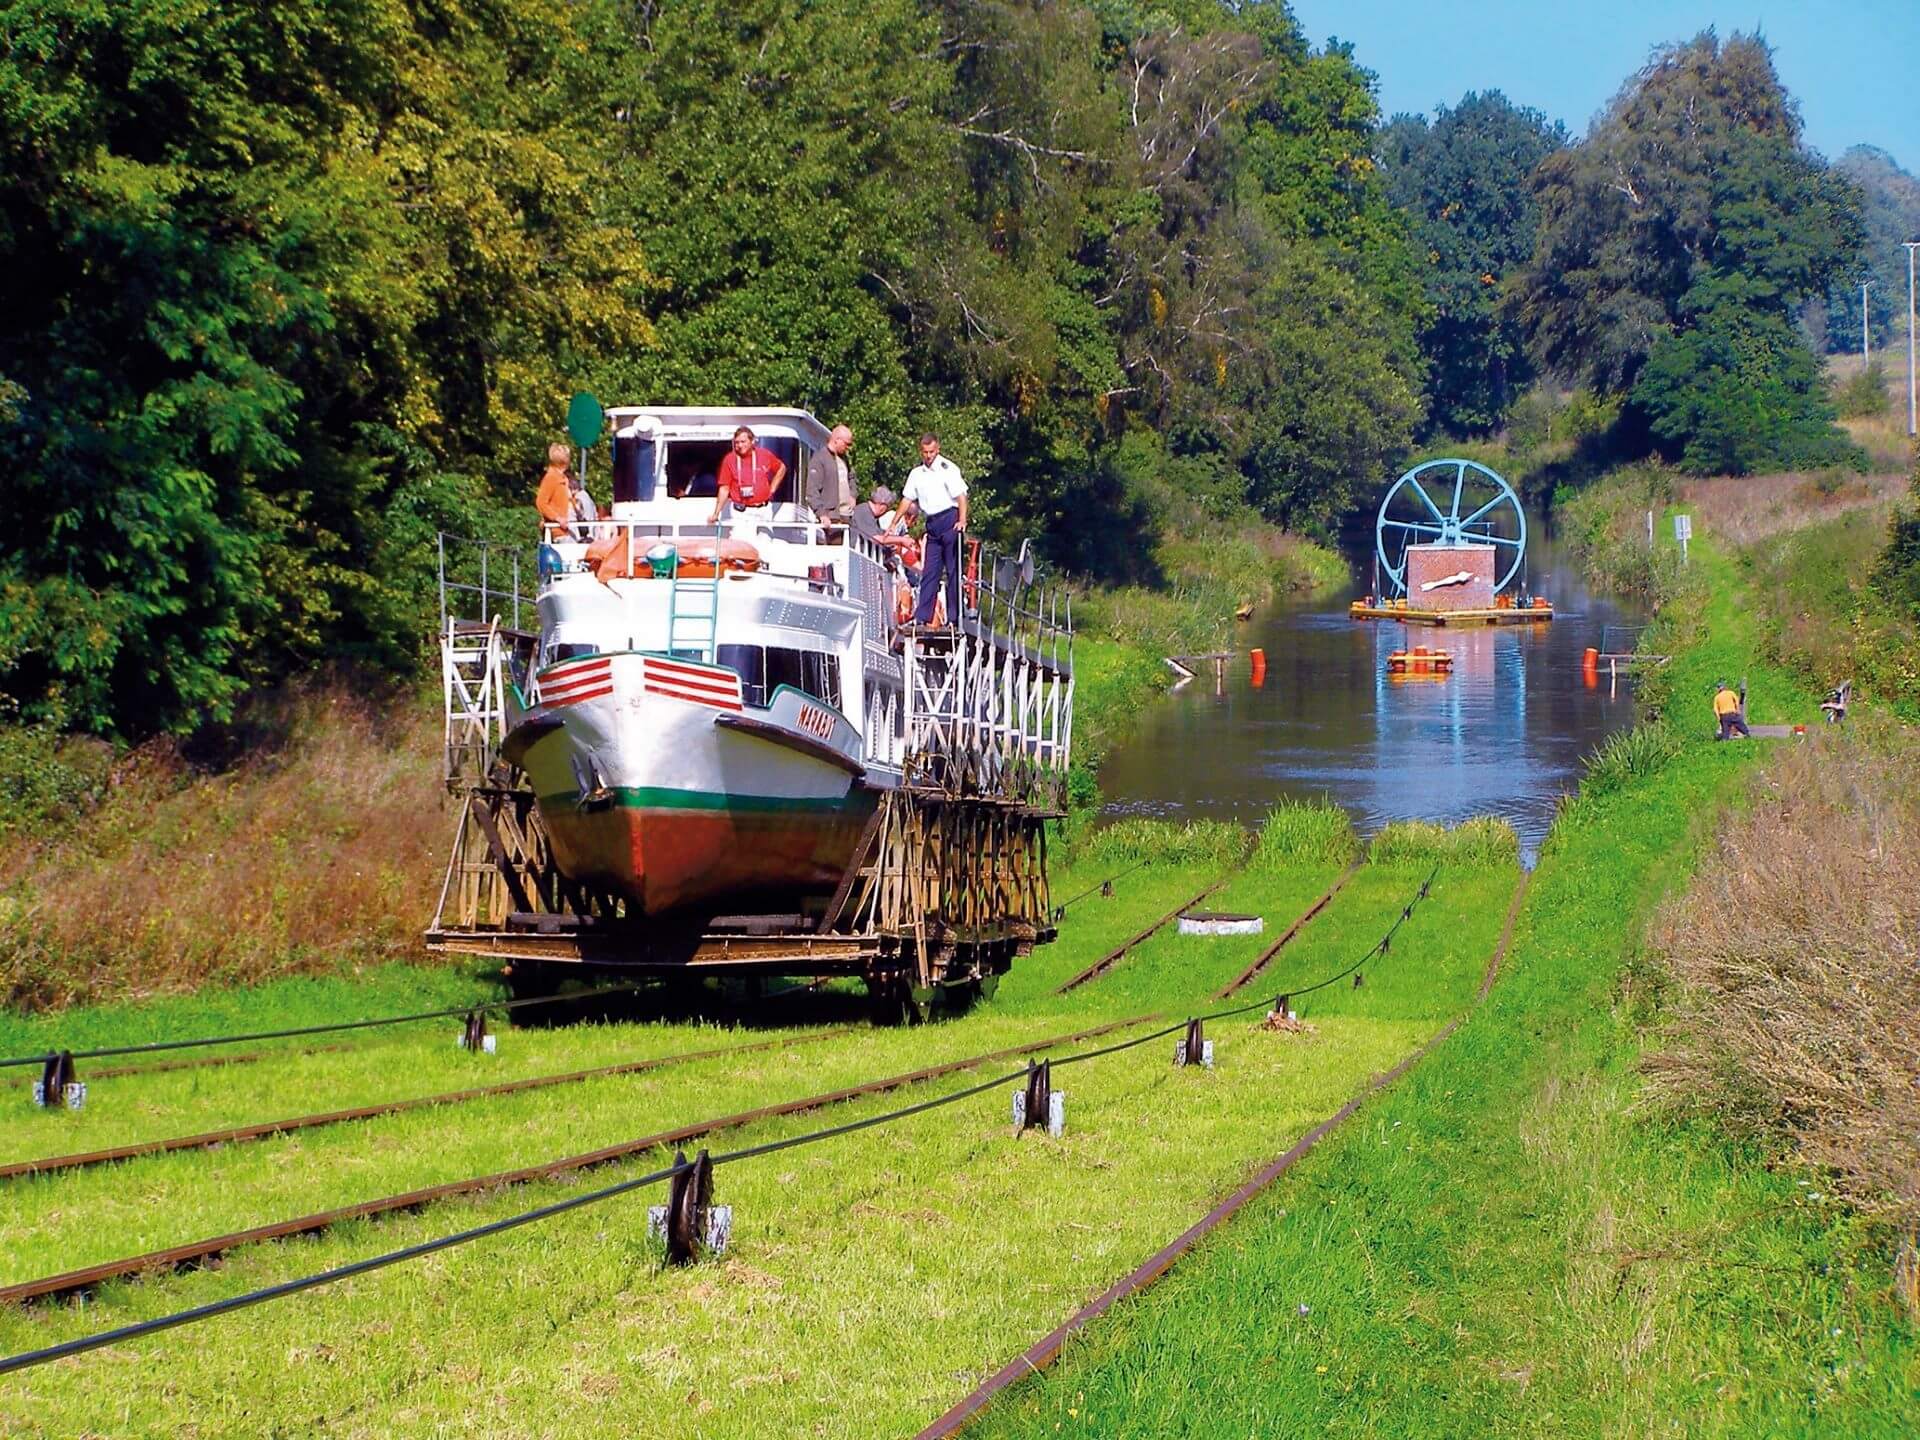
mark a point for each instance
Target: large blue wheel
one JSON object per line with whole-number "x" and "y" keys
{"x": 1474, "y": 506}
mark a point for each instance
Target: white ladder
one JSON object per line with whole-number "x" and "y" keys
{"x": 473, "y": 679}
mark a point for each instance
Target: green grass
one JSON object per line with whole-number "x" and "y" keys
{"x": 1509, "y": 1242}
{"x": 907, "y": 1257}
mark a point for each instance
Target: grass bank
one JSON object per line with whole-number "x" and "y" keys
{"x": 1520, "y": 1239}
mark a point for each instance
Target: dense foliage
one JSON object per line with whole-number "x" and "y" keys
{"x": 1463, "y": 180}
{"x": 1889, "y": 214}
{"x": 313, "y": 279}
{"x": 1677, "y": 244}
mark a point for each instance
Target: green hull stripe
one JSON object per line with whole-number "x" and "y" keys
{"x": 656, "y": 797}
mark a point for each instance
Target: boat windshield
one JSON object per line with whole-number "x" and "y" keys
{"x": 694, "y": 465}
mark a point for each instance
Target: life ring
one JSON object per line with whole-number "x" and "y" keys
{"x": 737, "y": 557}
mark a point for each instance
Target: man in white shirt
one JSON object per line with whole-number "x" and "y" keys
{"x": 936, "y": 489}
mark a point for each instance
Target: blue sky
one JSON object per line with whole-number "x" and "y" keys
{"x": 1842, "y": 60}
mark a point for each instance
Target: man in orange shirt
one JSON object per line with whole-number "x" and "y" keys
{"x": 749, "y": 475}
{"x": 555, "y": 500}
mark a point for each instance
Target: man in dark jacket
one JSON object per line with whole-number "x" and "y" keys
{"x": 830, "y": 485}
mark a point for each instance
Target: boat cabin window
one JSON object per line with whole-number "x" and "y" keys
{"x": 693, "y": 466}
{"x": 636, "y": 460}
{"x": 570, "y": 650}
{"x": 763, "y": 671}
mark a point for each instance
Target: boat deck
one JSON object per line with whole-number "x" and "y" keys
{"x": 1410, "y": 615}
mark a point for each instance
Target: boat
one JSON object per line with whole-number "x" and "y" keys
{"x": 700, "y": 731}
{"x": 724, "y": 743}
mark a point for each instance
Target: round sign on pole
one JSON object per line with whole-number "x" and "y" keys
{"x": 584, "y": 419}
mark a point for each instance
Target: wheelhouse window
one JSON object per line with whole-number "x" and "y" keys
{"x": 693, "y": 466}
{"x": 763, "y": 671}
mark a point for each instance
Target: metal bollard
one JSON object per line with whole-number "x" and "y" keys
{"x": 1193, "y": 1048}
{"x": 1037, "y": 1103}
{"x": 474, "y": 1035}
{"x": 58, "y": 1084}
{"x": 690, "y": 1223}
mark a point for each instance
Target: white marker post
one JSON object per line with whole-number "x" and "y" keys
{"x": 1683, "y": 532}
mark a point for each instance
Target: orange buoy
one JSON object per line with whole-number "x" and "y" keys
{"x": 1258, "y": 660}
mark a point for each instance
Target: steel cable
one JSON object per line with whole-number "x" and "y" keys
{"x": 81, "y": 1345}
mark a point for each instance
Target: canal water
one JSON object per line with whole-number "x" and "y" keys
{"x": 1505, "y": 734}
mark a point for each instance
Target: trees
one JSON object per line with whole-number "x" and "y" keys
{"x": 1688, "y": 229}
{"x": 1465, "y": 182}
{"x": 1889, "y": 214}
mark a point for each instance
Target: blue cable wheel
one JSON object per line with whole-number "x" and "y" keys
{"x": 1450, "y": 502}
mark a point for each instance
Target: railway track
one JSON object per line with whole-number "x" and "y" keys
{"x": 1114, "y": 956}
{"x": 194, "y": 1252}
{"x": 1252, "y": 972}
{"x": 1044, "y": 1351}
{"x": 239, "y": 1134}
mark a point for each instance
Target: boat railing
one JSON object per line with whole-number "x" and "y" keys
{"x": 483, "y": 581}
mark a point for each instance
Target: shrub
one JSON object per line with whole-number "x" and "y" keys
{"x": 1482, "y": 841}
{"x": 46, "y": 778}
{"x": 1863, "y": 396}
{"x": 1305, "y": 832}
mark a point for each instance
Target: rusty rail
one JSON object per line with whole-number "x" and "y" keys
{"x": 179, "y": 1256}
{"x": 1113, "y": 957}
{"x": 268, "y": 1128}
{"x": 1252, "y": 972}
{"x": 1044, "y": 1351}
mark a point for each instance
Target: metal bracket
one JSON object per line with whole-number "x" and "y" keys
{"x": 1282, "y": 1007}
{"x": 690, "y": 1223}
{"x": 474, "y": 1036}
{"x": 1036, "y": 1103}
{"x": 1358, "y": 979}
{"x": 58, "y": 1084}
{"x": 1195, "y": 1048}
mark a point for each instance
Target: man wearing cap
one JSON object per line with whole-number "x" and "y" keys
{"x": 830, "y": 483}
{"x": 936, "y": 489}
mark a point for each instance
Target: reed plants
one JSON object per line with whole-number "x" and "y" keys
{"x": 1481, "y": 841}
{"x": 1305, "y": 832}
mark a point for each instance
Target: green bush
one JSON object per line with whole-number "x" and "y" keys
{"x": 46, "y": 778}
{"x": 1481, "y": 841}
{"x": 1864, "y": 395}
{"x": 1305, "y": 832}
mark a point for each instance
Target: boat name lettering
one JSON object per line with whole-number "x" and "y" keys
{"x": 813, "y": 718}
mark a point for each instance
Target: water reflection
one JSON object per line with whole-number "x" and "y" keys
{"x": 1503, "y": 734}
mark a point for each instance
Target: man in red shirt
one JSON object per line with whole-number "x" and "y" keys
{"x": 749, "y": 475}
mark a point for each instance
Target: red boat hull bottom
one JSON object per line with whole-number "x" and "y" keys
{"x": 668, "y": 857}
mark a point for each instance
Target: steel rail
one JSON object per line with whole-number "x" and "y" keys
{"x": 1113, "y": 957}
{"x": 1252, "y": 972}
{"x": 1044, "y": 1351}
{"x": 238, "y": 1134}
{"x": 179, "y": 1256}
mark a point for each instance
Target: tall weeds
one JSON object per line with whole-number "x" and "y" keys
{"x": 1305, "y": 832}
{"x": 1797, "y": 957}
{"x": 321, "y": 849}
{"x": 1481, "y": 841}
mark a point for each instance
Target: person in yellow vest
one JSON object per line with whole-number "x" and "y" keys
{"x": 555, "y": 498}
{"x": 1729, "y": 710}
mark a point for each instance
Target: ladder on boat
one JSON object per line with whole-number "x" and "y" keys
{"x": 693, "y": 613}
{"x": 473, "y": 682}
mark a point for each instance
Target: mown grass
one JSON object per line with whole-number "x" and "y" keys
{"x": 1510, "y": 1243}
{"x": 869, "y": 1277}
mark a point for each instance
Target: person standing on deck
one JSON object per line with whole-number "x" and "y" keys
{"x": 750, "y": 475}
{"x": 585, "y": 512}
{"x": 830, "y": 485}
{"x": 554, "y": 500}
{"x": 937, "y": 490}
{"x": 1727, "y": 710}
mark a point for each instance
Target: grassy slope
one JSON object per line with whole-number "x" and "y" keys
{"x": 1506, "y": 1244}
{"x": 907, "y": 1257}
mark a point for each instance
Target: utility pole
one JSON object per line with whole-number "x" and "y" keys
{"x": 1911, "y": 248}
{"x": 1865, "y": 359}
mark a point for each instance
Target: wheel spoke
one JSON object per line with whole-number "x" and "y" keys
{"x": 1459, "y": 480}
{"x": 1420, "y": 490}
{"x": 1499, "y": 540}
{"x": 1419, "y": 525}
{"x": 1496, "y": 500}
